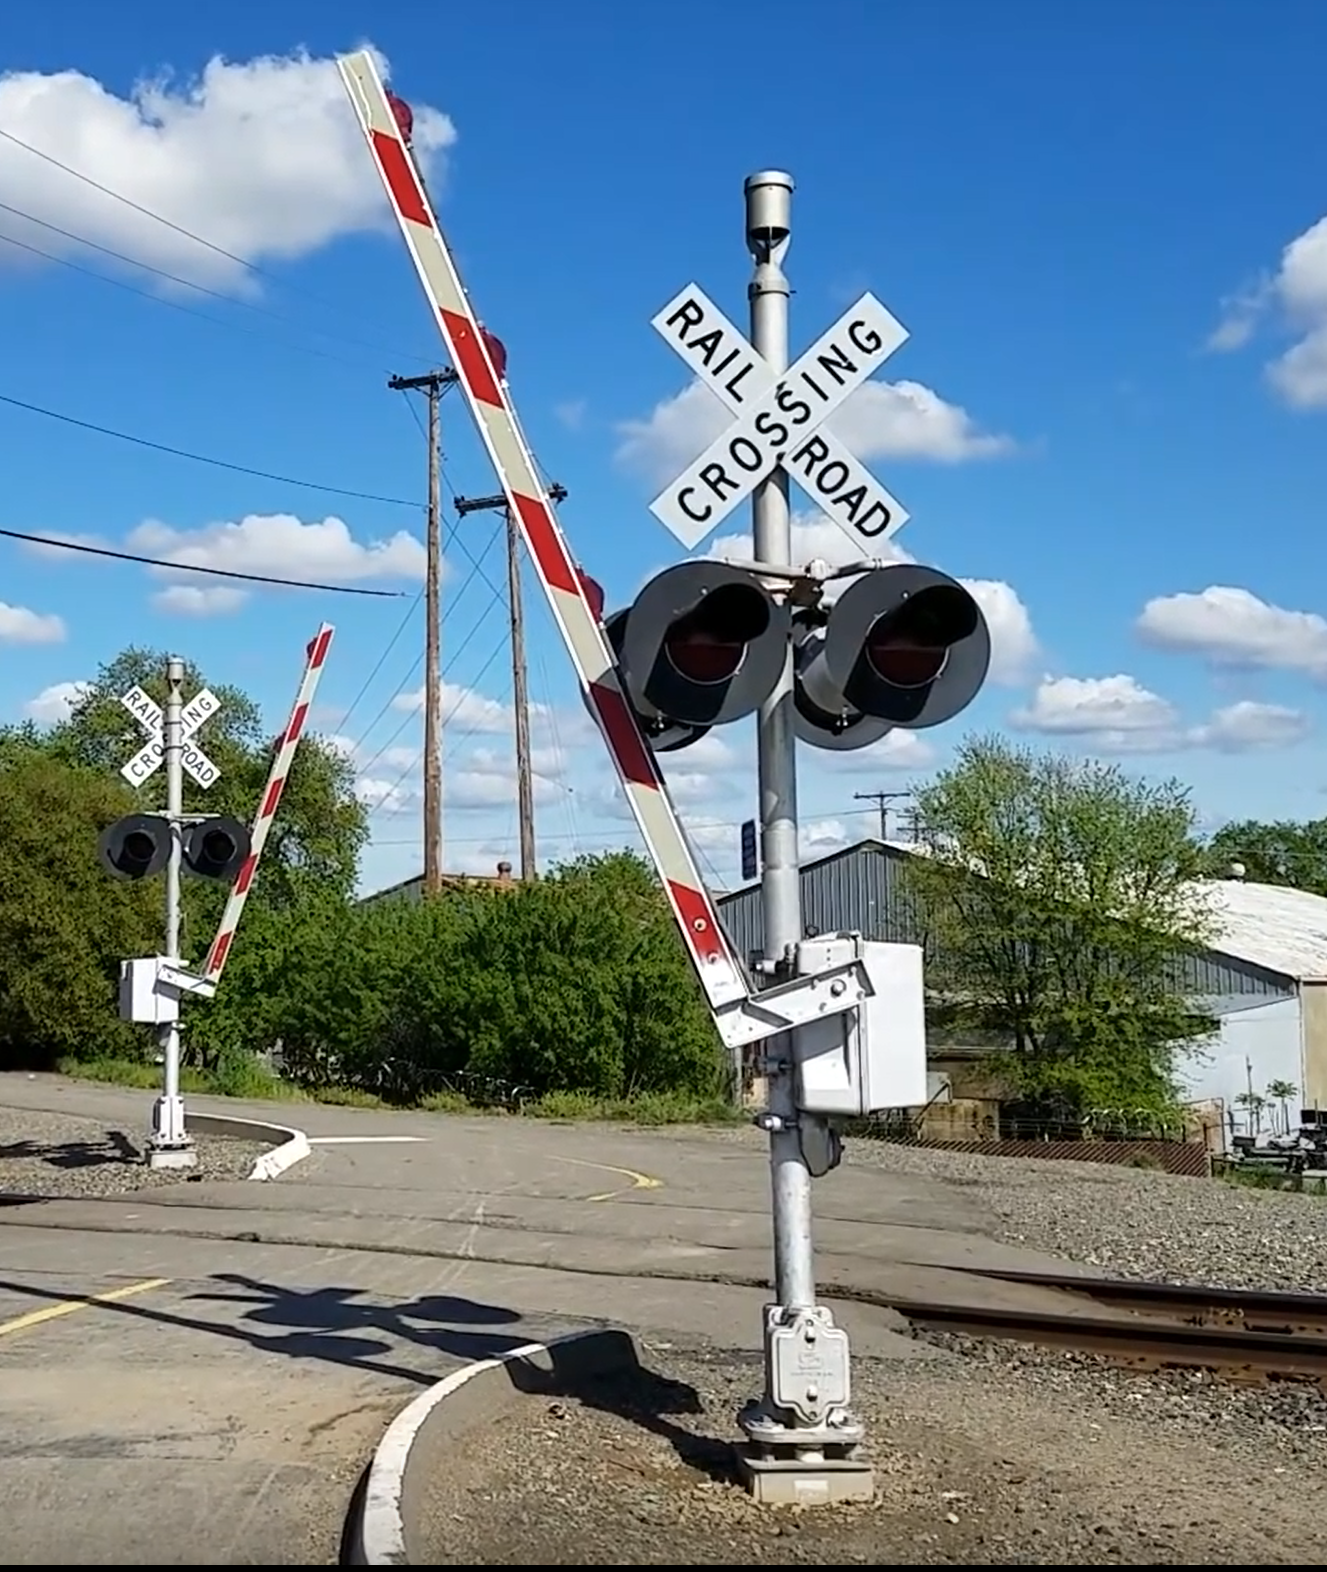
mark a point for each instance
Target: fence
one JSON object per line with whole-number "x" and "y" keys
{"x": 1132, "y": 1143}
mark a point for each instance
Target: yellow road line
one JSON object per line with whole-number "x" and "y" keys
{"x": 21, "y": 1323}
{"x": 639, "y": 1181}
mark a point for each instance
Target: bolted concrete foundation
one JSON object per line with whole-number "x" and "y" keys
{"x": 172, "y": 1157}
{"x": 790, "y": 1481}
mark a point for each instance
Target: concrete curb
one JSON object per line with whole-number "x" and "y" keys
{"x": 289, "y": 1146}
{"x": 386, "y": 1516}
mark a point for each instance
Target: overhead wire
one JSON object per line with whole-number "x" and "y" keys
{"x": 92, "y": 550}
{"x": 257, "y": 269}
{"x": 158, "y": 299}
{"x": 413, "y": 763}
{"x": 203, "y": 458}
{"x": 453, "y": 656}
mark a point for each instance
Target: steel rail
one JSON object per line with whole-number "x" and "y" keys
{"x": 1144, "y": 1341}
{"x": 1253, "y": 1309}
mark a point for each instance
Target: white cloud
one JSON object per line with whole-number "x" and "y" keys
{"x": 464, "y": 707}
{"x": 1116, "y": 712}
{"x": 343, "y": 747}
{"x": 572, "y": 413}
{"x": 384, "y": 796}
{"x": 192, "y": 600}
{"x": 897, "y": 751}
{"x": 263, "y": 158}
{"x": 1118, "y": 715}
{"x": 1297, "y": 293}
{"x": 902, "y": 420}
{"x": 56, "y": 703}
{"x": 1233, "y": 627}
{"x": 283, "y": 546}
{"x": 18, "y": 625}
{"x": 1014, "y": 647}
{"x": 1242, "y": 727}
{"x": 819, "y": 837}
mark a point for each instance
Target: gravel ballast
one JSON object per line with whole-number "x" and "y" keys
{"x": 61, "y": 1156}
{"x": 1128, "y": 1222}
{"x": 1133, "y": 1222}
{"x": 978, "y": 1461}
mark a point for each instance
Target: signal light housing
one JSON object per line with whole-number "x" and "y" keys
{"x": 135, "y": 847}
{"x": 216, "y": 848}
{"x": 138, "y": 847}
{"x": 703, "y": 644}
{"x": 902, "y": 646}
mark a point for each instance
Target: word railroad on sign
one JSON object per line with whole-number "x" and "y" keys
{"x": 779, "y": 419}
{"x": 148, "y": 760}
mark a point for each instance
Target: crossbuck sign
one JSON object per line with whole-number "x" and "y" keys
{"x": 779, "y": 419}
{"x": 147, "y": 712}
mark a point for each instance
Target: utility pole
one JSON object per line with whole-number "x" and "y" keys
{"x": 170, "y": 1145}
{"x": 882, "y": 799}
{"x": 519, "y": 682}
{"x": 433, "y": 384}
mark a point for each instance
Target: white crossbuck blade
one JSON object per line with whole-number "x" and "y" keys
{"x": 148, "y": 760}
{"x": 779, "y": 420}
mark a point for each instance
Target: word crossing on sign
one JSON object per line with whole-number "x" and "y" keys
{"x": 779, "y": 419}
{"x": 148, "y": 760}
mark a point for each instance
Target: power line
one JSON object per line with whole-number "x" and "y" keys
{"x": 190, "y": 567}
{"x": 179, "y": 229}
{"x": 161, "y": 300}
{"x": 203, "y": 458}
{"x": 414, "y": 667}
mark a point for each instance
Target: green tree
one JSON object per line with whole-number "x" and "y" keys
{"x": 1282, "y": 1092}
{"x": 1058, "y": 904}
{"x": 1280, "y": 853}
{"x": 64, "y": 925}
{"x": 315, "y": 843}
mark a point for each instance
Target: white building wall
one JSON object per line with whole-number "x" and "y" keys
{"x": 1268, "y": 1037}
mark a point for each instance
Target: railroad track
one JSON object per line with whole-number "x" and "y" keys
{"x": 1235, "y": 1333}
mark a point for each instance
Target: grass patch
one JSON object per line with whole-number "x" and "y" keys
{"x": 252, "y": 1081}
{"x": 1272, "y": 1179}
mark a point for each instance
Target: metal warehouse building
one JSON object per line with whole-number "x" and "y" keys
{"x": 1265, "y": 980}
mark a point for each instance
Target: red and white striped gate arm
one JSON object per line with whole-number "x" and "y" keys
{"x": 722, "y": 978}
{"x": 316, "y": 658}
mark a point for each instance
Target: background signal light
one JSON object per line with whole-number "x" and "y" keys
{"x": 135, "y": 847}
{"x": 703, "y": 644}
{"x": 216, "y": 848}
{"x": 903, "y": 646}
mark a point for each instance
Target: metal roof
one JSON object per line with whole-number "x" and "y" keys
{"x": 1269, "y": 925}
{"x": 1279, "y": 930}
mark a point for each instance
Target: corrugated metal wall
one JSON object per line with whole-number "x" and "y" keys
{"x": 861, "y": 889}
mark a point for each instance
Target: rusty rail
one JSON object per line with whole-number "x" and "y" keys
{"x": 1146, "y": 1342}
{"x": 1254, "y": 1310}
{"x": 1239, "y": 1334}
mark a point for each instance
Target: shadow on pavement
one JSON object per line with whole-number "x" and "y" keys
{"x": 114, "y": 1147}
{"x": 338, "y": 1326}
{"x": 633, "y": 1392}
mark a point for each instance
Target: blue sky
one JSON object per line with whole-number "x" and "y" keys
{"x": 1097, "y": 223}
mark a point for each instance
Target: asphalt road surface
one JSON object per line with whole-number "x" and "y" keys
{"x": 197, "y": 1373}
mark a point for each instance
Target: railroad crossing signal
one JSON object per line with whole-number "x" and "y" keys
{"x": 703, "y": 644}
{"x": 148, "y": 760}
{"x": 138, "y": 846}
{"x": 903, "y": 646}
{"x": 779, "y": 420}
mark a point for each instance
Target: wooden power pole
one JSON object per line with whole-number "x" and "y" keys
{"x": 433, "y": 384}
{"x": 882, "y": 799}
{"x": 520, "y": 689}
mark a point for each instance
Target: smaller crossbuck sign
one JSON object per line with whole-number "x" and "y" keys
{"x": 779, "y": 419}
{"x": 148, "y": 760}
